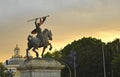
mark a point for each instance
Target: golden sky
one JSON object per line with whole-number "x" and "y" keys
{"x": 69, "y": 20}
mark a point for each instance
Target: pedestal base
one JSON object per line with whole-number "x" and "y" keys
{"x": 40, "y": 68}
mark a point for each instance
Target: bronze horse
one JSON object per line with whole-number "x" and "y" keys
{"x": 35, "y": 42}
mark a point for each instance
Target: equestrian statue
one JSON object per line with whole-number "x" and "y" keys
{"x": 41, "y": 39}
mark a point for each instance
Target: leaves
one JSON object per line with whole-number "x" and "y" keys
{"x": 89, "y": 57}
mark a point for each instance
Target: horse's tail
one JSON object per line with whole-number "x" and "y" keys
{"x": 29, "y": 37}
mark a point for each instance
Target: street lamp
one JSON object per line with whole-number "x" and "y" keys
{"x": 103, "y": 60}
{"x": 74, "y": 64}
{"x": 73, "y": 55}
{"x": 70, "y": 72}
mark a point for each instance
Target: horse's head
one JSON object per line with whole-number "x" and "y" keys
{"x": 48, "y": 33}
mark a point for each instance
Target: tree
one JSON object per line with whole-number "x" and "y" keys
{"x": 48, "y": 55}
{"x": 116, "y": 65}
{"x": 2, "y": 70}
{"x": 112, "y": 49}
{"x": 89, "y": 57}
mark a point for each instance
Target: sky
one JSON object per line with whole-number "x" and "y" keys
{"x": 69, "y": 20}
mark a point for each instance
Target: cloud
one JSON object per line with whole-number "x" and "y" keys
{"x": 15, "y": 8}
{"x": 69, "y": 20}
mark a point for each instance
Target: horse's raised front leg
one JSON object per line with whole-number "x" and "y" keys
{"x": 50, "y": 46}
{"x": 37, "y": 55}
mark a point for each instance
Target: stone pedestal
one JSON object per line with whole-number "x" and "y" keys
{"x": 40, "y": 68}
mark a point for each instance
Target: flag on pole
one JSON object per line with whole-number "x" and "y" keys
{"x": 42, "y": 19}
{"x": 34, "y": 31}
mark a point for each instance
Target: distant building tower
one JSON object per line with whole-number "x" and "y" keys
{"x": 17, "y": 52}
{"x": 16, "y": 58}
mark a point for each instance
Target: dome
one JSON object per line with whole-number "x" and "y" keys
{"x": 16, "y": 58}
{"x": 15, "y": 61}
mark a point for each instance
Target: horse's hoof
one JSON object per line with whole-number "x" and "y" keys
{"x": 50, "y": 48}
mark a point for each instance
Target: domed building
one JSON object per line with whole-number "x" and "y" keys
{"x": 16, "y": 58}
{"x": 14, "y": 61}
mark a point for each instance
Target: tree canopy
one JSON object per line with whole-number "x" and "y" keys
{"x": 89, "y": 57}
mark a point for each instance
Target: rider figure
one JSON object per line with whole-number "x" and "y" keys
{"x": 38, "y": 29}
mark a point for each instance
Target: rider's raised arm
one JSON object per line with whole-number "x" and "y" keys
{"x": 36, "y": 21}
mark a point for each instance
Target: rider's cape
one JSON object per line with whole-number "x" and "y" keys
{"x": 34, "y": 31}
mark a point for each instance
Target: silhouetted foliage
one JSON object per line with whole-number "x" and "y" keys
{"x": 2, "y": 74}
{"x": 89, "y": 57}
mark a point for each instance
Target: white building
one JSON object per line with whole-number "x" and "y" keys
{"x": 14, "y": 61}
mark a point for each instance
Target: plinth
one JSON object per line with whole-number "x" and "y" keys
{"x": 40, "y": 68}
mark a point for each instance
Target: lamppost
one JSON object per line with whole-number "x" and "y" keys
{"x": 72, "y": 55}
{"x": 74, "y": 64}
{"x": 103, "y": 60}
{"x": 70, "y": 72}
